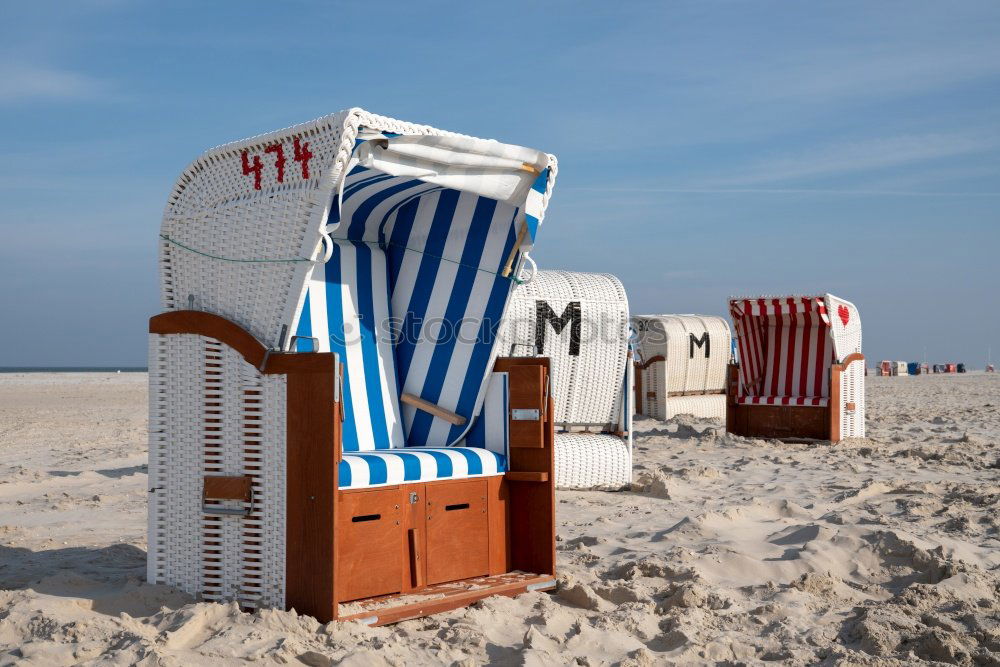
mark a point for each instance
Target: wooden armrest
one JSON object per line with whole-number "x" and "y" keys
{"x": 436, "y": 410}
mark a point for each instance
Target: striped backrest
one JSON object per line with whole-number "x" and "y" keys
{"x": 451, "y": 298}
{"x": 438, "y": 306}
{"x": 785, "y": 348}
{"x": 346, "y": 310}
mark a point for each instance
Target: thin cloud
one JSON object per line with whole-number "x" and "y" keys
{"x": 783, "y": 191}
{"x": 20, "y": 83}
{"x": 859, "y": 156}
{"x": 824, "y": 76}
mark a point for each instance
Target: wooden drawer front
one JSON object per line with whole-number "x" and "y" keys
{"x": 369, "y": 544}
{"x": 527, "y": 406}
{"x": 457, "y": 531}
{"x": 788, "y": 421}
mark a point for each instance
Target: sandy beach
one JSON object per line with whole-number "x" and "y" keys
{"x": 727, "y": 550}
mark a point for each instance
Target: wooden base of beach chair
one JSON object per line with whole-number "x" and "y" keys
{"x": 450, "y": 541}
{"x": 780, "y": 422}
{"x": 410, "y": 538}
{"x": 433, "y": 539}
{"x": 791, "y": 422}
{"x": 442, "y": 597}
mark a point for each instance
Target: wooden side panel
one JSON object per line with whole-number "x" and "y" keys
{"x": 524, "y": 476}
{"x": 531, "y": 504}
{"x": 457, "y": 531}
{"x": 313, "y": 443}
{"x": 313, "y": 450}
{"x": 370, "y": 540}
{"x": 734, "y": 416}
{"x": 533, "y": 509}
{"x": 498, "y": 513}
{"x": 527, "y": 399}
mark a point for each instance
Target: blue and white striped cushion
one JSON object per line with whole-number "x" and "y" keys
{"x": 346, "y": 309}
{"x": 418, "y": 464}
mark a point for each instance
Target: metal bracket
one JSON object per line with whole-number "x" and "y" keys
{"x": 514, "y": 346}
{"x": 542, "y": 585}
{"x": 263, "y": 363}
{"x": 295, "y": 339}
{"x": 548, "y": 391}
{"x": 229, "y": 511}
{"x": 524, "y": 414}
{"x": 413, "y": 497}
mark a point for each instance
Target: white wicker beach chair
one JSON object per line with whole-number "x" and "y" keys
{"x": 801, "y": 373}
{"x": 330, "y": 421}
{"x": 681, "y": 363}
{"x": 579, "y": 321}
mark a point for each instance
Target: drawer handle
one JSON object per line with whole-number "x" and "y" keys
{"x": 460, "y": 506}
{"x": 365, "y": 517}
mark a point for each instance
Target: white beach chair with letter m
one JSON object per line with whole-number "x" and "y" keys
{"x": 580, "y": 322}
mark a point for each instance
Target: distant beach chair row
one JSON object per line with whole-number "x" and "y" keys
{"x": 897, "y": 368}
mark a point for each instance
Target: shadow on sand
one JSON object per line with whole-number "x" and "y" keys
{"x": 108, "y": 580}
{"x": 113, "y": 473}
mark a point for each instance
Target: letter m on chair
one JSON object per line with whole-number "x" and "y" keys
{"x": 571, "y": 315}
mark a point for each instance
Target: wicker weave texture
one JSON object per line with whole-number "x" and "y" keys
{"x": 711, "y": 406}
{"x": 211, "y": 413}
{"x": 587, "y": 387}
{"x": 845, "y": 326}
{"x": 592, "y": 461}
{"x": 215, "y": 211}
{"x": 592, "y": 381}
{"x": 852, "y": 390}
{"x": 696, "y": 351}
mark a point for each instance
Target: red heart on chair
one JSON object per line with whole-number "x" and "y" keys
{"x": 845, "y": 314}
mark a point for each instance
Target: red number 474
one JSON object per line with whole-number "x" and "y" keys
{"x": 300, "y": 154}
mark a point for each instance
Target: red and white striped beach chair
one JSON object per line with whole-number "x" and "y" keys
{"x": 800, "y": 372}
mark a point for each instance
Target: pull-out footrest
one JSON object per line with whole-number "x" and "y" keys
{"x": 443, "y": 597}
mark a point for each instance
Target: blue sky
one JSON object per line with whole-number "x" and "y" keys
{"x": 706, "y": 148}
